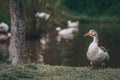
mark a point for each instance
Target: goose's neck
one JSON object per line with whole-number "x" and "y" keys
{"x": 95, "y": 38}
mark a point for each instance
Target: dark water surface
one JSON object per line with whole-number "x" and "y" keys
{"x": 73, "y": 52}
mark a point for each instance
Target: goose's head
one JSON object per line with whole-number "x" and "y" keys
{"x": 92, "y": 33}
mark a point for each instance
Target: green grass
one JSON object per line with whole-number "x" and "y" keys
{"x": 47, "y": 72}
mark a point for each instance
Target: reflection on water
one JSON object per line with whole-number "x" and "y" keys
{"x": 73, "y": 52}
{"x": 4, "y": 52}
{"x": 33, "y": 52}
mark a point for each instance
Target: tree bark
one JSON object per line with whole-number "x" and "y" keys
{"x": 17, "y": 41}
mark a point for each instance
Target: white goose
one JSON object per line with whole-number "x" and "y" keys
{"x": 4, "y": 27}
{"x": 96, "y": 55}
{"x": 66, "y": 34}
{"x": 42, "y": 15}
{"x": 4, "y": 37}
{"x": 72, "y": 24}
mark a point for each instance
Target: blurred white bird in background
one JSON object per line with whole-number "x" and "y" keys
{"x": 71, "y": 24}
{"x": 42, "y": 15}
{"x": 66, "y": 34}
{"x": 4, "y": 27}
{"x": 4, "y": 34}
{"x": 4, "y": 37}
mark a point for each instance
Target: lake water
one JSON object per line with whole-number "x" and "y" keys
{"x": 73, "y": 52}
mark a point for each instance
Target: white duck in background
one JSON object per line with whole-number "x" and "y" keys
{"x": 66, "y": 34}
{"x": 42, "y": 15}
{"x": 72, "y": 24}
{"x": 4, "y": 37}
{"x": 4, "y": 27}
{"x": 96, "y": 55}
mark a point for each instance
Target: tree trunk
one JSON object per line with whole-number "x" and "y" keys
{"x": 17, "y": 41}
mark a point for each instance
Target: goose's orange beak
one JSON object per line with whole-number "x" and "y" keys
{"x": 87, "y": 34}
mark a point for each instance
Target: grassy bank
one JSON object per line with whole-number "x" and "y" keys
{"x": 46, "y": 72}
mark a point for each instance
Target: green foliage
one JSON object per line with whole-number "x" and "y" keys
{"x": 101, "y": 10}
{"x": 4, "y": 11}
{"x": 94, "y": 8}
